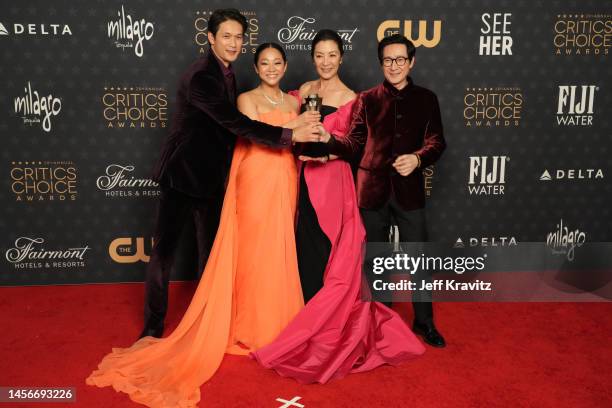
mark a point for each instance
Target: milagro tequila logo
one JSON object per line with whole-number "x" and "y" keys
{"x": 29, "y": 253}
{"x": 127, "y": 31}
{"x": 118, "y": 182}
{"x": 564, "y": 241}
{"x": 298, "y": 35}
{"x": 35, "y": 108}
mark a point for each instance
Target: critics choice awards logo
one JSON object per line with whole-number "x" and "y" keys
{"x": 487, "y": 176}
{"x": 575, "y": 105}
{"x": 495, "y": 38}
{"x": 298, "y": 33}
{"x": 43, "y": 181}
{"x": 37, "y": 109}
{"x": 492, "y": 107}
{"x": 583, "y": 34}
{"x": 128, "y": 32}
{"x": 130, "y": 250}
{"x": 32, "y": 253}
{"x": 118, "y": 181}
{"x": 135, "y": 107}
{"x": 422, "y": 33}
{"x": 251, "y": 37}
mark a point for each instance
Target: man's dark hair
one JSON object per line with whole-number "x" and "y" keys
{"x": 269, "y": 45}
{"x": 396, "y": 39}
{"x": 326, "y": 35}
{"x": 222, "y": 15}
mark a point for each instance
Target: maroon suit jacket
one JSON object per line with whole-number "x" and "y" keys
{"x": 197, "y": 154}
{"x": 387, "y": 123}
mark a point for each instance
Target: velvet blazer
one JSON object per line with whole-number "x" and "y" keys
{"x": 196, "y": 157}
{"x": 387, "y": 123}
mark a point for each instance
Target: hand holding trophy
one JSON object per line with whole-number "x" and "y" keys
{"x": 313, "y": 102}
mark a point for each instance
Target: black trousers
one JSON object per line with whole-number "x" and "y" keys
{"x": 175, "y": 211}
{"x": 313, "y": 246}
{"x": 412, "y": 227}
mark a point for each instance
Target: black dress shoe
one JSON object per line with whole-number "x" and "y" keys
{"x": 156, "y": 331}
{"x": 430, "y": 334}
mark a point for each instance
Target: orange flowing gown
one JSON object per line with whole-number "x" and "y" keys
{"x": 249, "y": 292}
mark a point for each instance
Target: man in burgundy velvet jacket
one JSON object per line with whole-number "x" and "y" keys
{"x": 196, "y": 157}
{"x": 396, "y": 131}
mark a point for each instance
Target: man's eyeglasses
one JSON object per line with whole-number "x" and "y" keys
{"x": 400, "y": 61}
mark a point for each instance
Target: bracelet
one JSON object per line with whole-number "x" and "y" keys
{"x": 418, "y": 160}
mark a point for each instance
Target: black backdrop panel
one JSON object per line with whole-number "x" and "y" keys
{"x": 88, "y": 93}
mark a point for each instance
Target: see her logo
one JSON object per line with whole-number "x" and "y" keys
{"x": 495, "y": 39}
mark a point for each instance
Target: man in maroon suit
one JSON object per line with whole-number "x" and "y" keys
{"x": 396, "y": 131}
{"x": 196, "y": 157}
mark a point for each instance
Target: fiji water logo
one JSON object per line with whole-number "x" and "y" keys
{"x": 576, "y": 104}
{"x": 487, "y": 175}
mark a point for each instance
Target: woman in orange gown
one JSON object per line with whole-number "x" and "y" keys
{"x": 250, "y": 289}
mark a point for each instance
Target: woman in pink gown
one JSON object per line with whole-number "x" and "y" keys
{"x": 337, "y": 332}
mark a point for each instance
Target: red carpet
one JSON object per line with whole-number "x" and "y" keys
{"x": 499, "y": 355}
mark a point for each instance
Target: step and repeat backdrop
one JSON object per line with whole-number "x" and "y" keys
{"x": 87, "y": 96}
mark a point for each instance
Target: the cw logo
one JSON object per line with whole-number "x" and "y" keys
{"x": 122, "y": 250}
{"x": 393, "y": 27}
